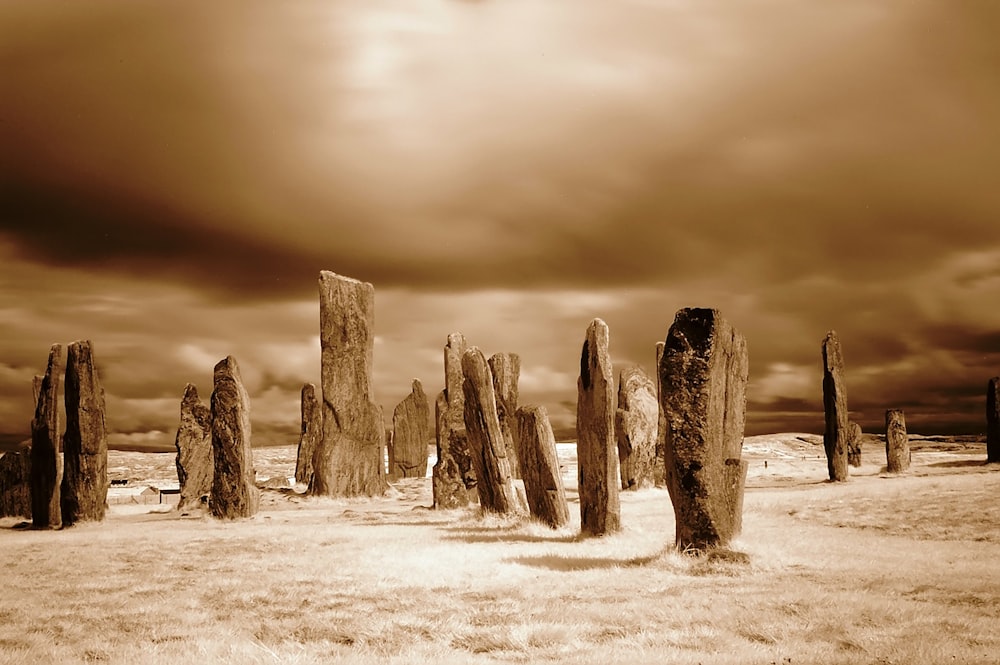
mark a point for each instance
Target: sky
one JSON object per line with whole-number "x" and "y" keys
{"x": 173, "y": 177}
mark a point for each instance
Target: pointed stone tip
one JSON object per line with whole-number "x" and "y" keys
{"x": 416, "y": 386}
{"x": 329, "y": 275}
{"x": 190, "y": 391}
{"x": 228, "y": 363}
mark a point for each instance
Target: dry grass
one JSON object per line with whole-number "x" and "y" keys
{"x": 879, "y": 570}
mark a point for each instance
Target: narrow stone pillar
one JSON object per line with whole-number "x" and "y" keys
{"x": 854, "y": 444}
{"x": 837, "y": 431}
{"x": 194, "y": 460}
{"x": 46, "y": 448}
{"x": 993, "y": 420}
{"x": 703, "y": 377}
{"x": 234, "y": 492}
{"x": 310, "y": 434}
{"x": 636, "y": 428}
{"x": 543, "y": 484}
{"x": 410, "y": 433}
{"x": 660, "y": 467}
{"x": 600, "y": 512}
{"x": 15, "y": 482}
{"x": 454, "y": 479}
{"x": 506, "y": 370}
{"x": 84, "y": 491}
{"x": 897, "y": 445}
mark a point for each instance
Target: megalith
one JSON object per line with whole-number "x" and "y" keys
{"x": 506, "y": 370}
{"x": 703, "y": 376}
{"x": 194, "y": 460}
{"x": 410, "y": 433}
{"x": 543, "y": 486}
{"x": 454, "y": 479}
{"x": 84, "y": 490}
{"x": 993, "y": 420}
{"x": 234, "y": 491}
{"x": 15, "y": 482}
{"x": 349, "y": 459}
{"x": 837, "y": 431}
{"x": 636, "y": 420}
{"x": 659, "y": 468}
{"x": 310, "y": 433}
{"x": 46, "y": 447}
{"x": 487, "y": 446}
{"x": 597, "y": 457}
{"x": 897, "y": 444}
{"x": 854, "y": 444}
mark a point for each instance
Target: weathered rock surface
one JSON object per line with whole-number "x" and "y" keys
{"x": 15, "y": 482}
{"x": 636, "y": 421}
{"x": 390, "y": 455}
{"x": 600, "y": 512}
{"x": 36, "y": 388}
{"x": 349, "y": 459}
{"x": 310, "y": 434}
{"x": 487, "y": 446}
{"x": 410, "y": 433}
{"x": 993, "y": 420}
{"x": 454, "y": 479}
{"x": 234, "y": 492}
{"x": 506, "y": 370}
{"x": 854, "y": 438}
{"x": 703, "y": 377}
{"x": 46, "y": 447}
{"x": 84, "y": 491}
{"x": 543, "y": 486}
{"x": 194, "y": 461}
{"x": 837, "y": 431}
{"x": 659, "y": 468}
{"x": 897, "y": 444}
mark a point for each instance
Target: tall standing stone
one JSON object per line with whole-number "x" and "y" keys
{"x": 36, "y": 388}
{"x": 349, "y": 459}
{"x": 454, "y": 479}
{"x": 854, "y": 444}
{"x": 703, "y": 377}
{"x": 84, "y": 488}
{"x": 506, "y": 370}
{"x": 659, "y": 470}
{"x": 837, "y": 431}
{"x": 636, "y": 428}
{"x": 543, "y": 484}
{"x": 897, "y": 445}
{"x": 486, "y": 441}
{"x": 15, "y": 482}
{"x": 410, "y": 433}
{"x": 194, "y": 449}
{"x": 310, "y": 433}
{"x": 993, "y": 420}
{"x": 600, "y": 512}
{"x": 46, "y": 448}
{"x": 234, "y": 492}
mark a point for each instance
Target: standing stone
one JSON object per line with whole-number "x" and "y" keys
{"x": 85, "y": 445}
{"x": 837, "y": 432}
{"x": 600, "y": 513}
{"x": 194, "y": 450}
{"x": 993, "y": 420}
{"x": 636, "y": 428}
{"x": 506, "y": 370}
{"x": 234, "y": 492}
{"x": 543, "y": 485}
{"x": 454, "y": 479}
{"x": 410, "y": 432}
{"x": 854, "y": 444}
{"x": 349, "y": 459}
{"x": 46, "y": 448}
{"x": 15, "y": 482}
{"x": 486, "y": 442}
{"x": 309, "y": 436}
{"x": 703, "y": 377}
{"x": 897, "y": 445}
{"x": 36, "y": 388}
{"x": 659, "y": 470}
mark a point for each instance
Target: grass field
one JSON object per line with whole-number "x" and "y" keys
{"x": 882, "y": 569}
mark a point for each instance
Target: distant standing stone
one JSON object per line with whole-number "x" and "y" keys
{"x": 837, "y": 431}
{"x": 85, "y": 446}
{"x": 410, "y": 433}
{"x": 703, "y": 377}
{"x": 46, "y": 448}
{"x": 309, "y": 435}
{"x": 600, "y": 512}
{"x": 349, "y": 459}
{"x": 486, "y": 441}
{"x": 854, "y": 444}
{"x": 454, "y": 479}
{"x": 993, "y": 420}
{"x": 194, "y": 450}
{"x": 636, "y": 428}
{"x": 15, "y": 482}
{"x": 234, "y": 492}
{"x": 506, "y": 370}
{"x": 659, "y": 468}
{"x": 897, "y": 445}
{"x": 543, "y": 485}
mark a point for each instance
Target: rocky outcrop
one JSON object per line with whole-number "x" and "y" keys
{"x": 234, "y": 492}
{"x": 703, "y": 377}
{"x": 454, "y": 479}
{"x": 46, "y": 447}
{"x": 543, "y": 486}
{"x": 600, "y": 512}
{"x": 506, "y": 370}
{"x": 837, "y": 431}
{"x": 349, "y": 459}
{"x": 636, "y": 421}
{"x": 897, "y": 444}
{"x": 410, "y": 434}
{"x": 993, "y": 420}
{"x": 487, "y": 446}
{"x": 15, "y": 482}
{"x": 194, "y": 450}
{"x": 854, "y": 438}
{"x": 84, "y": 490}
{"x": 310, "y": 434}
{"x": 659, "y": 468}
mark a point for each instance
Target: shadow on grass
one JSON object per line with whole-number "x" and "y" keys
{"x": 572, "y": 563}
{"x": 957, "y": 464}
{"x": 494, "y": 536}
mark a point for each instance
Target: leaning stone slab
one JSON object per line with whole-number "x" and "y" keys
{"x": 636, "y": 428}
{"x": 46, "y": 448}
{"x": 454, "y": 479}
{"x": 194, "y": 450}
{"x": 993, "y": 420}
{"x": 543, "y": 484}
{"x": 84, "y": 491}
{"x": 837, "y": 431}
{"x": 897, "y": 445}
{"x": 506, "y": 370}
{"x": 234, "y": 492}
{"x": 703, "y": 377}
{"x": 309, "y": 435}
{"x": 410, "y": 433}
{"x": 15, "y": 482}
{"x": 600, "y": 512}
